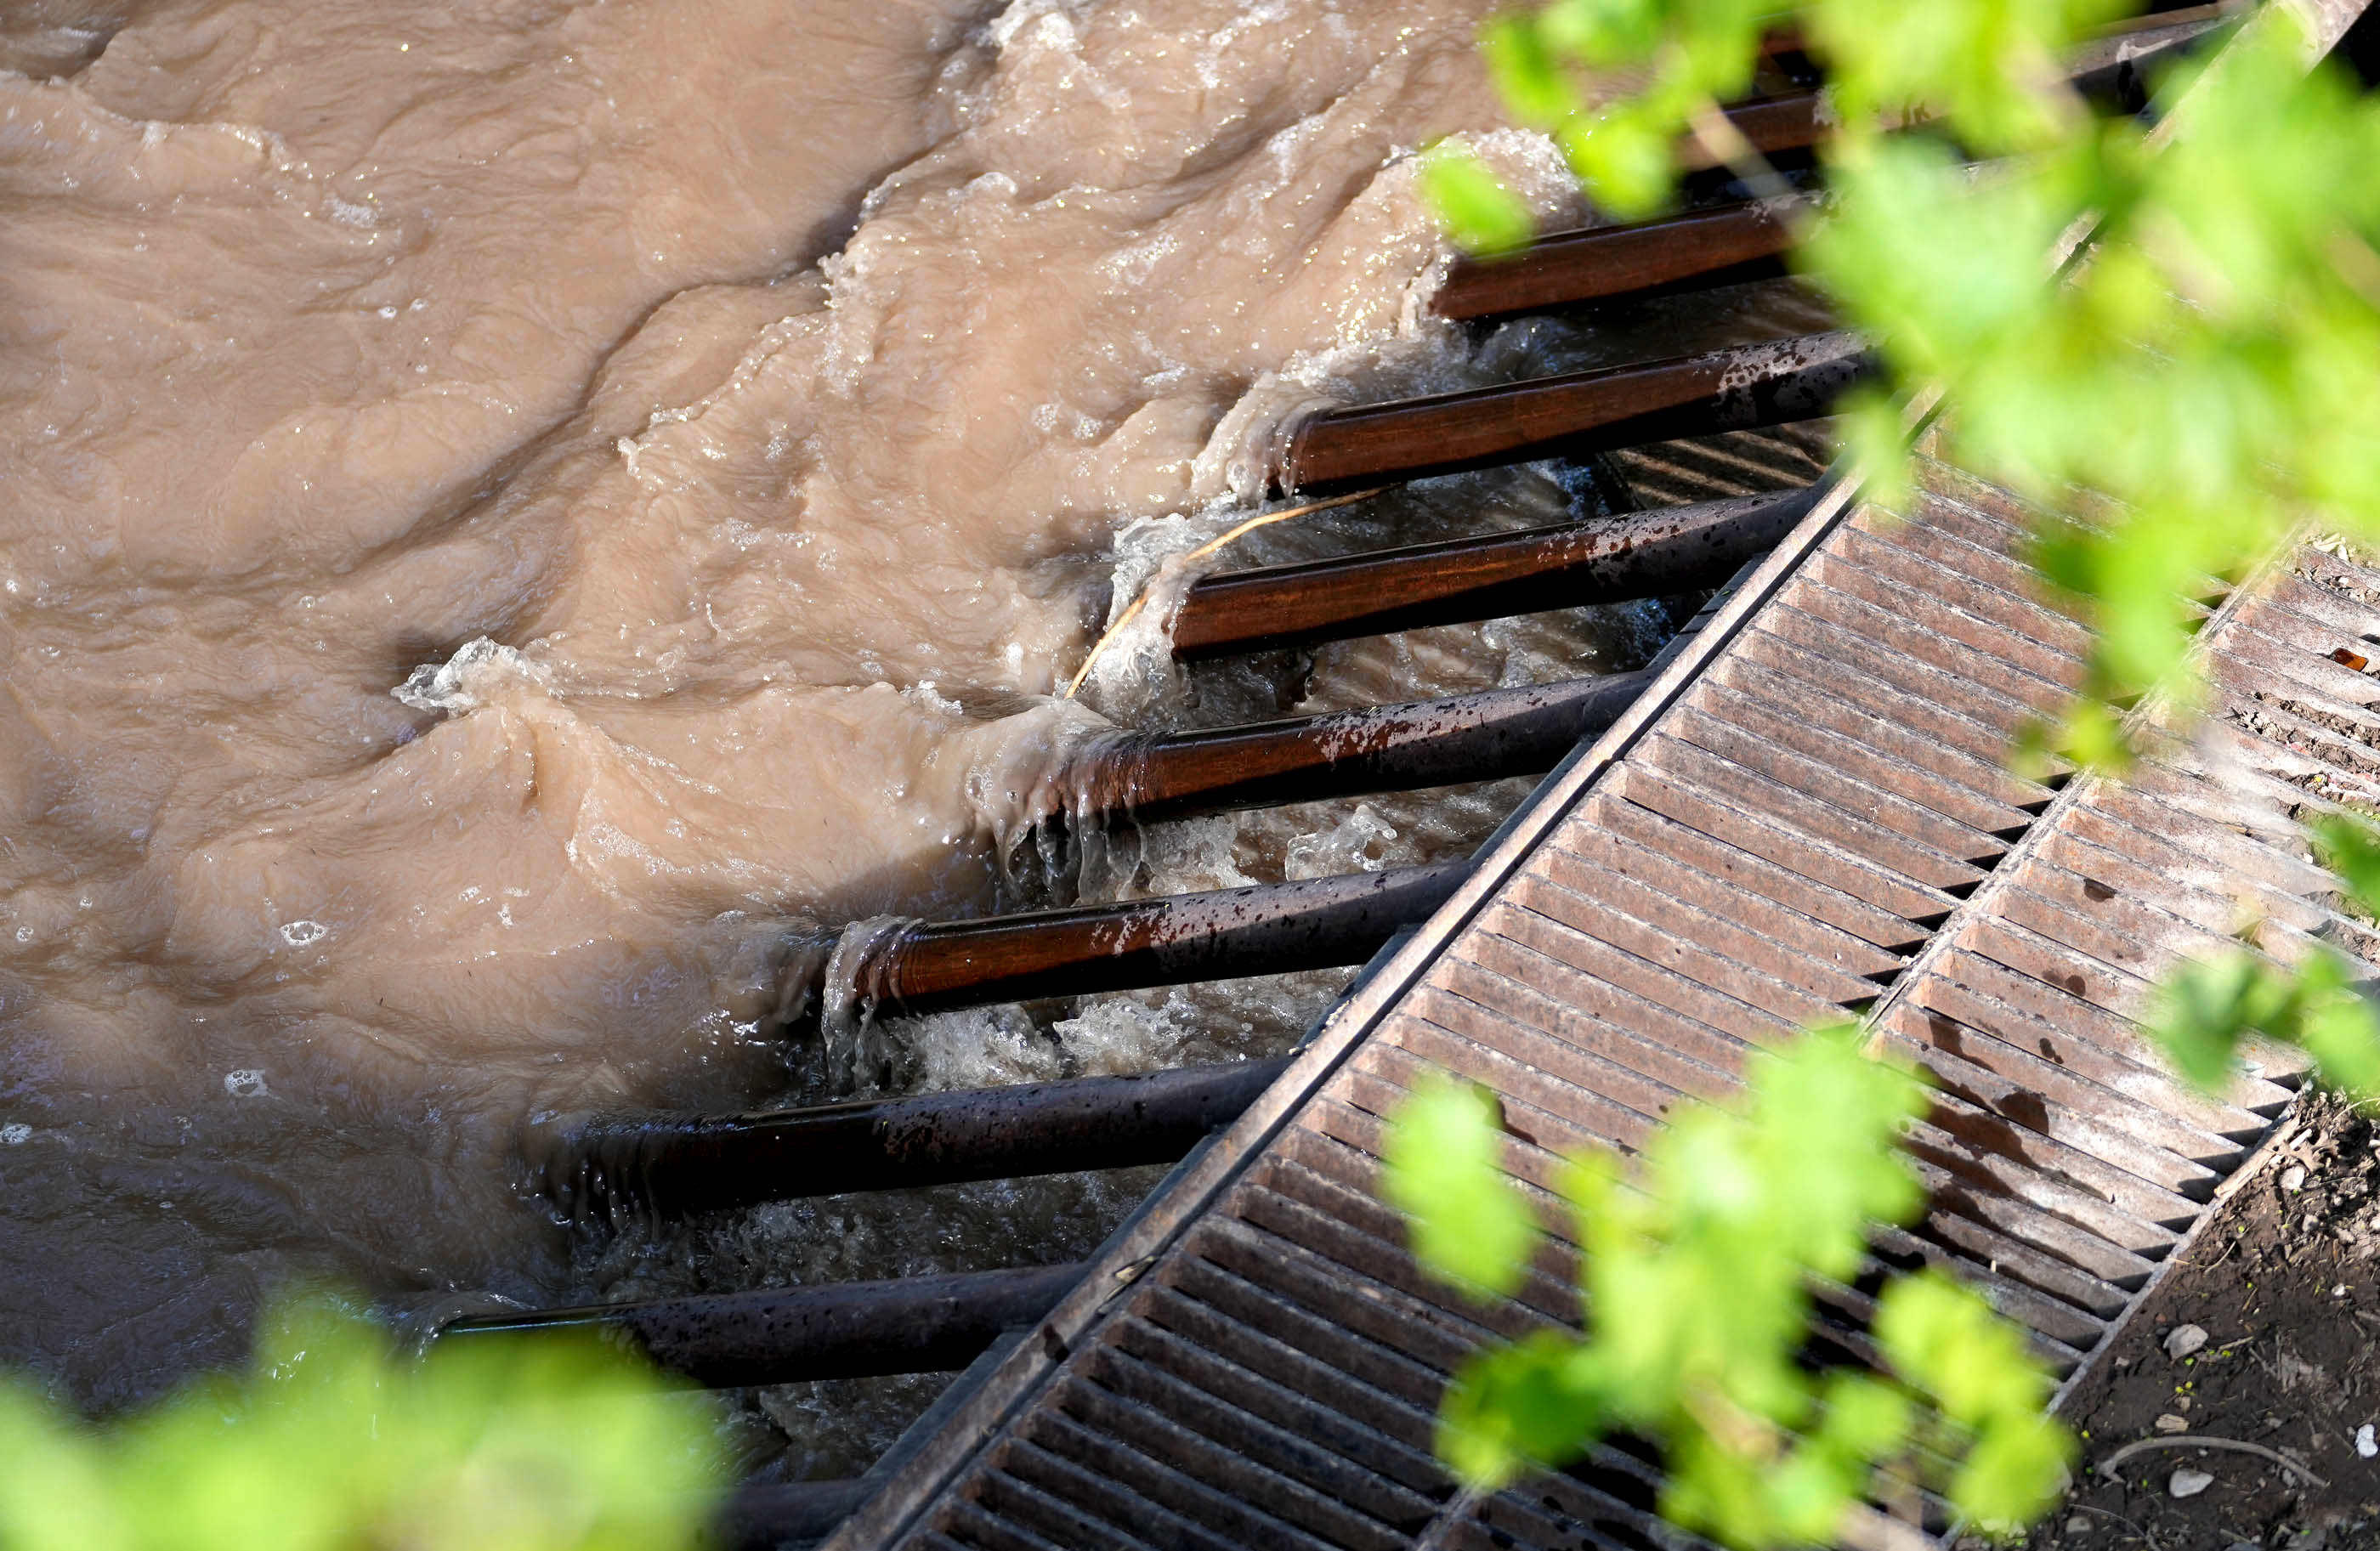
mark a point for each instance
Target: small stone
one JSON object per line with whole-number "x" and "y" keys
{"x": 2183, "y": 1339}
{"x": 2339, "y": 1291}
{"x": 2365, "y": 1444}
{"x": 2169, "y": 1422}
{"x": 2078, "y": 1525}
{"x": 2293, "y": 1177}
{"x": 2187, "y": 1483}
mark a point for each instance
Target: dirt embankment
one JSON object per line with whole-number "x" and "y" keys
{"x": 2262, "y": 1435}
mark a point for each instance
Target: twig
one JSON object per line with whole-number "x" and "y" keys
{"x": 1209, "y": 547}
{"x": 2200, "y": 1440}
{"x": 1441, "y": 1532}
{"x": 2229, "y": 1246}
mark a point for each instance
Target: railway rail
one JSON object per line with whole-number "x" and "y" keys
{"x": 1799, "y": 811}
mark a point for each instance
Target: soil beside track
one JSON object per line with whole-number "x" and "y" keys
{"x": 2285, "y": 1280}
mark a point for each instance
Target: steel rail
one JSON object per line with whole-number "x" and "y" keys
{"x": 1737, "y": 389}
{"x": 673, "y": 1166}
{"x": 909, "y": 1324}
{"x": 1604, "y": 560}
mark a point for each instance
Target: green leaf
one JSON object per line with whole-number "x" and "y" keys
{"x": 1540, "y": 1401}
{"x": 1870, "y": 429}
{"x": 1479, "y": 214}
{"x": 1945, "y": 1340}
{"x": 335, "y": 1440}
{"x": 1531, "y": 83}
{"x": 55, "y": 1488}
{"x": 1865, "y": 1419}
{"x": 1443, "y": 1157}
{"x": 2350, "y": 847}
{"x": 2205, "y": 1008}
{"x": 1604, "y": 33}
{"x": 2016, "y": 1471}
{"x": 2341, "y": 1031}
{"x": 1623, "y": 159}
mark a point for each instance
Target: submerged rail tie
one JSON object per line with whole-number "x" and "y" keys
{"x": 910, "y": 1324}
{"x": 678, "y": 1166}
{"x": 1606, "y": 559}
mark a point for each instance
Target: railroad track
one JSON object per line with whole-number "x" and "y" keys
{"x": 1799, "y": 810}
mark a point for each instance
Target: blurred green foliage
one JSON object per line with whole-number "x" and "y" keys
{"x": 335, "y": 1441}
{"x": 2207, "y": 1011}
{"x": 2166, "y": 337}
{"x": 1696, "y": 1269}
{"x": 2206, "y": 367}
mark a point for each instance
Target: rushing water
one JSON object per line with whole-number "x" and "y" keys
{"x": 514, "y": 512}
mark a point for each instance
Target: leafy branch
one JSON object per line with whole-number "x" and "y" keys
{"x": 1698, "y": 1266}
{"x": 2204, "y": 373}
{"x": 2205, "y": 367}
{"x": 335, "y": 1441}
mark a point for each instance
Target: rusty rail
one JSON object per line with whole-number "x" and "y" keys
{"x": 677, "y": 1166}
{"x": 1737, "y": 389}
{"x": 910, "y": 1324}
{"x": 1606, "y": 559}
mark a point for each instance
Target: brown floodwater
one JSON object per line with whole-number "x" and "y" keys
{"x": 507, "y": 510}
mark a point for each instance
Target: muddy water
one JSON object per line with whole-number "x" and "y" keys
{"x": 506, "y": 506}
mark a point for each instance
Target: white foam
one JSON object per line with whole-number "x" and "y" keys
{"x": 470, "y": 678}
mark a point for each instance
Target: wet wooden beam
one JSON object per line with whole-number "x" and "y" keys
{"x": 1737, "y": 389}
{"x": 763, "y": 1516}
{"x": 1745, "y": 242}
{"x": 912, "y": 1325}
{"x": 1604, "y": 560}
{"x": 1267, "y": 928}
{"x": 673, "y": 1166}
{"x": 1686, "y": 253}
{"x": 1488, "y": 735}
